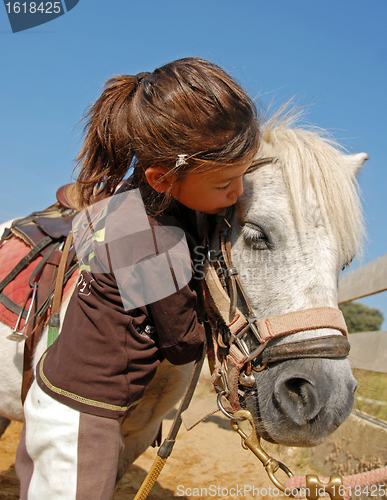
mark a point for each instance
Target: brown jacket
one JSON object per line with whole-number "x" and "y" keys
{"x": 106, "y": 355}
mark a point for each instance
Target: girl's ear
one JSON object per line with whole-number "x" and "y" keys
{"x": 155, "y": 178}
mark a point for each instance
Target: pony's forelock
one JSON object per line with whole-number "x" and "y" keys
{"x": 308, "y": 156}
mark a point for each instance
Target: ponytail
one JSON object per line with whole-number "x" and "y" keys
{"x": 107, "y": 150}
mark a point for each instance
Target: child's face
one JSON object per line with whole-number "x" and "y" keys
{"x": 210, "y": 192}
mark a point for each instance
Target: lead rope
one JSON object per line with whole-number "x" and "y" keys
{"x": 166, "y": 448}
{"x": 338, "y": 487}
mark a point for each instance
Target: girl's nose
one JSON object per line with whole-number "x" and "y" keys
{"x": 237, "y": 187}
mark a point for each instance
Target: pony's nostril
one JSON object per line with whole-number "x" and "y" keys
{"x": 297, "y": 399}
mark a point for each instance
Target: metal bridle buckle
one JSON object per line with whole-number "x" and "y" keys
{"x": 231, "y": 272}
{"x": 231, "y": 416}
{"x": 251, "y": 325}
{"x": 252, "y": 443}
{"x": 224, "y": 391}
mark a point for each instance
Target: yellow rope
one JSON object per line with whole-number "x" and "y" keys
{"x": 151, "y": 478}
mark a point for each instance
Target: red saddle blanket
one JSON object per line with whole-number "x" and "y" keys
{"x": 11, "y": 252}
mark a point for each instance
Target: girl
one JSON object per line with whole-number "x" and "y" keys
{"x": 190, "y": 133}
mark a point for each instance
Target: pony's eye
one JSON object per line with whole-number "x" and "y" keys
{"x": 255, "y": 236}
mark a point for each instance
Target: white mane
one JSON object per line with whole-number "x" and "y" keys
{"x": 308, "y": 158}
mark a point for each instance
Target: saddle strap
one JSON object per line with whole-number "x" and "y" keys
{"x": 24, "y": 261}
{"x": 54, "y": 321}
{"x": 46, "y": 284}
{"x": 12, "y": 306}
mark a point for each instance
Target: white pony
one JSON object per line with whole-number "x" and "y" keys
{"x": 296, "y": 226}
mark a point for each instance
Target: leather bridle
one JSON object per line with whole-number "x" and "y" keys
{"x": 234, "y": 359}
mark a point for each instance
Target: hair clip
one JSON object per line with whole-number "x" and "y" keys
{"x": 181, "y": 160}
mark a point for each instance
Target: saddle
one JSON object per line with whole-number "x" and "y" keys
{"x": 27, "y": 290}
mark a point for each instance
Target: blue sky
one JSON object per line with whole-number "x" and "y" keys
{"x": 332, "y": 55}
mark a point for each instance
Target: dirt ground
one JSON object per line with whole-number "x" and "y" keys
{"x": 207, "y": 462}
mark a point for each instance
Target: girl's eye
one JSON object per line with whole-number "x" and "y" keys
{"x": 224, "y": 187}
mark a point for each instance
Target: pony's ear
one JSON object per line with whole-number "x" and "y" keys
{"x": 357, "y": 161}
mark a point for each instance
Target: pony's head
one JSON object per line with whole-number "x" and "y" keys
{"x": 298, "y": 223}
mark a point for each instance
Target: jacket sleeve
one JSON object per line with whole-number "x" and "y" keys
{"x": 179, "y": 331}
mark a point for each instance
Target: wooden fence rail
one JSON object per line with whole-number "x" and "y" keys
{"x": 366, "y": 280}
{"x": 368, "y": 349}
{"x": 360, "y": 443}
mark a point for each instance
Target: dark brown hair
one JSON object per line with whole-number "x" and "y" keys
{"x": 189, "y": 106}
